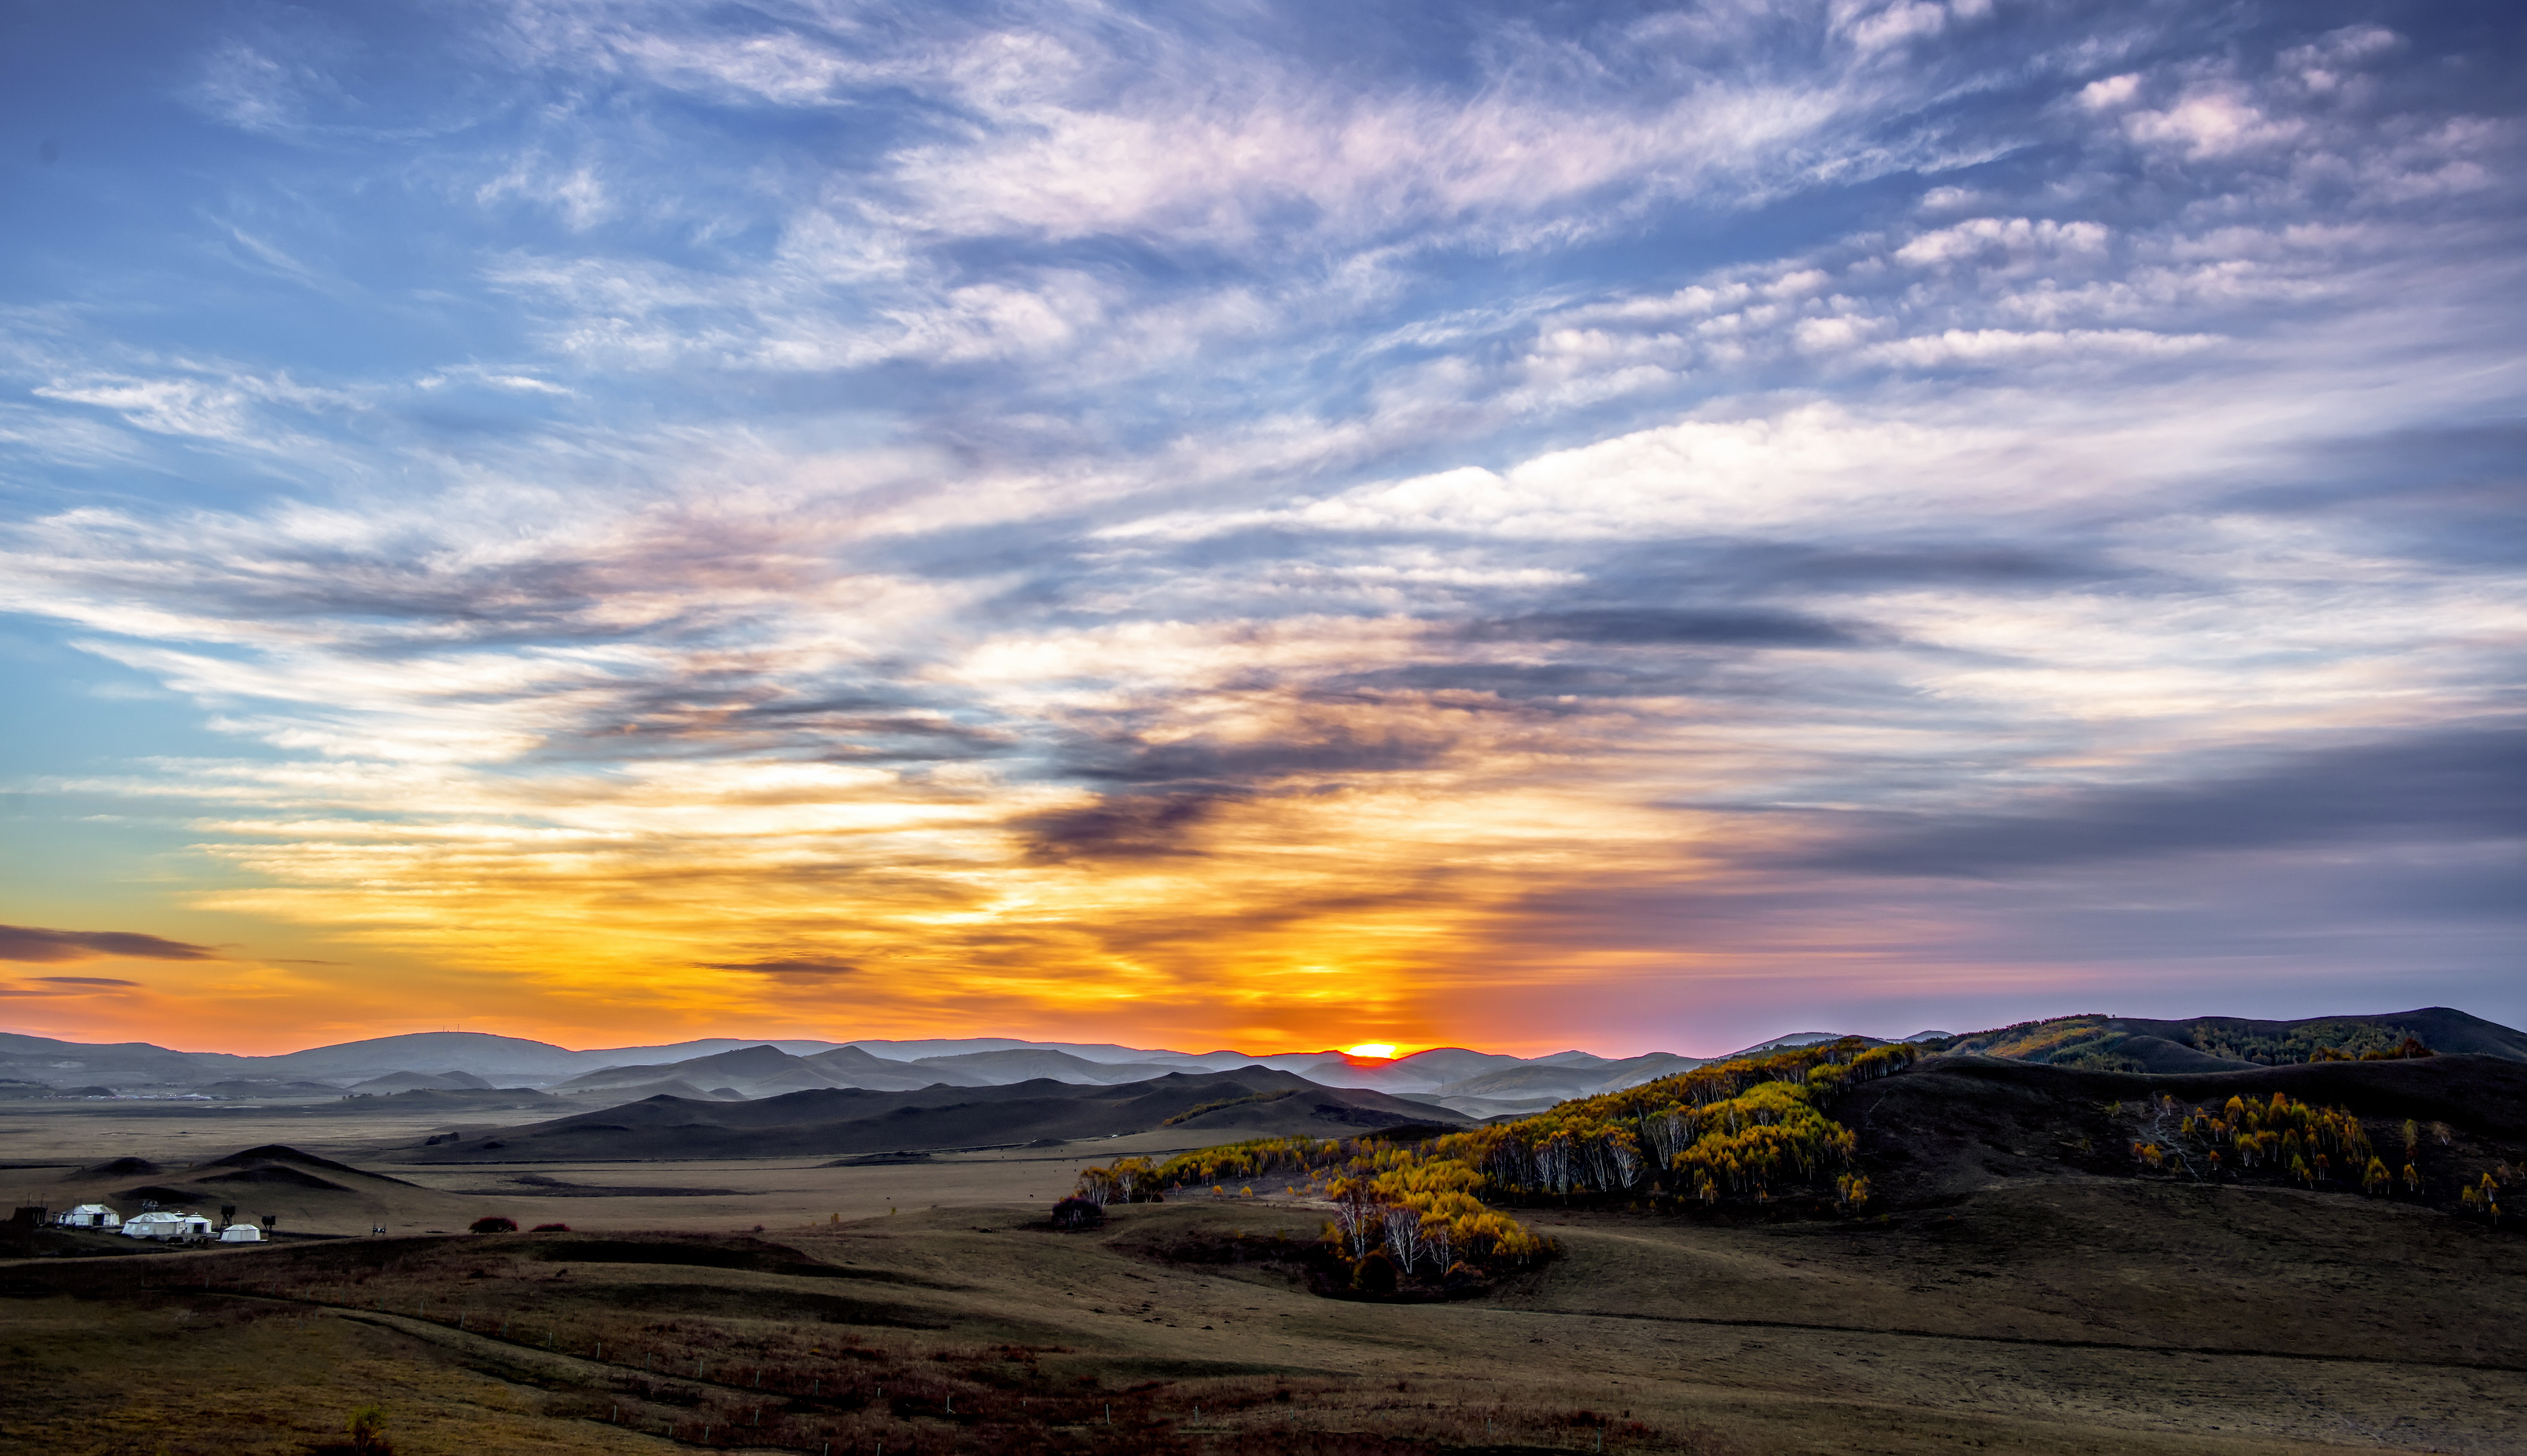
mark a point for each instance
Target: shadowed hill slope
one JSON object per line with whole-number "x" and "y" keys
{"x": 841, "y": 1121}
{"x": 300, "y": 1188}
{"x": 1954, "y": 1124}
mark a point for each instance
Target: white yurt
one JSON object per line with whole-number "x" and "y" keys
{"x": 92, "y": 1216}
{"x": 240, "y": 1233}
{"x": 163, "y": 1225}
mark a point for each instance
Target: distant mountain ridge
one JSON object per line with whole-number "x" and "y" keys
{"x": 725, "y": 1068}
{"x": 1458, "y": 1079}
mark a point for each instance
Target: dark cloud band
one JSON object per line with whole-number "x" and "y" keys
{"x": 43, "y": 947}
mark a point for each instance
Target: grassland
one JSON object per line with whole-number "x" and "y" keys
{"x": 2028, "y": 1301}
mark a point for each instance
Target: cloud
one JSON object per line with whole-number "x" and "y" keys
{"x": 799, "y": 970}
{"x": 2213, "y": 121}
{"x": 82, "y": 981}
{"x": 29, "y": 943}
{"x": 1670, "y": 628}
{"x": 2451, "y": 786}
{"x": 1133, "y": 827}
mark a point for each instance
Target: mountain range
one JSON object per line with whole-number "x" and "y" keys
{"x": 1474, "y": 1084}
{"x": 464, "y": 1065}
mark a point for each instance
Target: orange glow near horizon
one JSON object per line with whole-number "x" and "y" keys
{"x": 841, "y": 902}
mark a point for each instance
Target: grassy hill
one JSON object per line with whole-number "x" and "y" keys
{"x": 844, "y": 1121}
{"x": 2111, "y": 1043}
{"x": 1955, "y": 1124}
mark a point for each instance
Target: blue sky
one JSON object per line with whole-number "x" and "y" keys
{"x": 1621, "y": 525}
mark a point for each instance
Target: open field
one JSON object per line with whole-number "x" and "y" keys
{"x": 2029, "y": 1306}
{"x": 43, "y": 1147}
{"x": 2023, "y": 1322}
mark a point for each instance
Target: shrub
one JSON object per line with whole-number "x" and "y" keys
{"x": 495, "y": 1224}
{"x": 1375, "y": 1273}
{"x": 1077, "y": 1213}
{"x": 548, "y": 1229}
{"x": 368, "y": 1432}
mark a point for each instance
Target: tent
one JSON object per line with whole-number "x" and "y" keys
{"x": 163, "y": 1224}
{"x": 90, "y": 1216}
{"x": 240, "y": 1233}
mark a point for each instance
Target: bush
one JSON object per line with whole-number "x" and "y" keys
{"x": 495, "y": 1224}
{"x": 368, "y": 1430}
{"x": 548, "y": 1229}
{"x": 1375, "y": 1273}
{"x": 1077, "y": 1213}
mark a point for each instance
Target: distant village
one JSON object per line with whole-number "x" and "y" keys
{"x": 172, "y": 1226}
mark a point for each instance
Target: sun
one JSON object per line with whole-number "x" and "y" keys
{"x": 1383, "y": 1050}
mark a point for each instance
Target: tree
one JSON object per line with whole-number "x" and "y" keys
{"x": 495, "y": 1224}
{"x": 1356, "y": 1213}
{"x": 366, "y": 1429}
{"x": 1075, "y": 1212}
{"x": 1375, "y": 1273}
{"x": 1402, "y": 1229}
{"x": 1439, "y": 1234}
{"x": 1851, "y": 1192}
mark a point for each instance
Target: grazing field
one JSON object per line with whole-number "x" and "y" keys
{"x": 2014, "y": 1300}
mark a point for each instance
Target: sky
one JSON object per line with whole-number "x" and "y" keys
{"x": 1263, "y": 524}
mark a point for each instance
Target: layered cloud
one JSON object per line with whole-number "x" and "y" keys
{"x": 32, "y": 943}
{"x": 1282, "y": 527}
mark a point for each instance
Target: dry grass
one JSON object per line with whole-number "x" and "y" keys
{"x": 2059, "y": 1312}
{"x": 967, "y": 1330}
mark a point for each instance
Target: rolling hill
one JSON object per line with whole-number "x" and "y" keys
{"x": 838, "y": 1121}
{"x": 1958, "y": 1124}
{"x": 2110, "y": 1044}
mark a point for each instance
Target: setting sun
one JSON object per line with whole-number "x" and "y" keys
{"x": 1382, "y": 1049}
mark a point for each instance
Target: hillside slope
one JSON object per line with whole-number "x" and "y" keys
{"x": 2111, "y": 1043}
{"x": 1954, "y": 1124}
{"x": 1255, "y": 1102}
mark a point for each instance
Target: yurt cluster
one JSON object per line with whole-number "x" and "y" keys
{"x": 172, "y": 1226}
